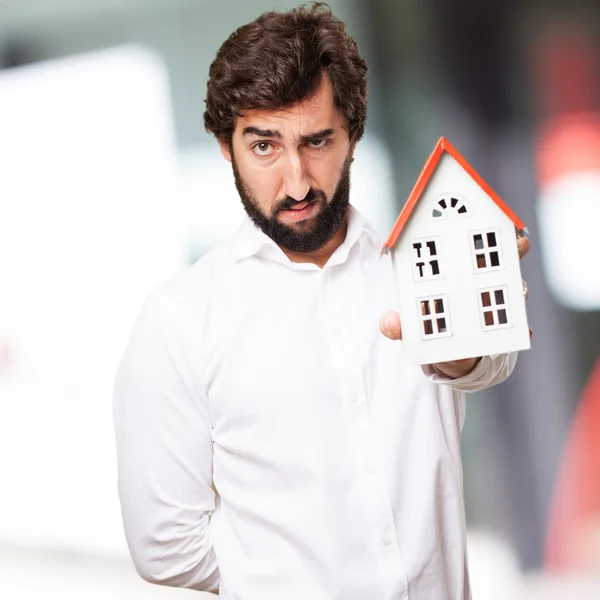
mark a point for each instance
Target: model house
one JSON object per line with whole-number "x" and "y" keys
{"x": 456, "y": 263}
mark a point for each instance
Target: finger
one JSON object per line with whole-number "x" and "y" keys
{"x": 389, "y": 325}
{"x": 523, "y": 245}
{"x": 525, "y": 290}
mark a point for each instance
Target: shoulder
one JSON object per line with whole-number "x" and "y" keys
{"x": 189, "y": 293}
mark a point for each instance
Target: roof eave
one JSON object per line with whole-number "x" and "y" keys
{"x": 443, "y": 145}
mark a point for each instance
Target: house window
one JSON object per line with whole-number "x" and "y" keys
{"x": 435, "y": 318}
{"x": 493, "y": 307}
{"x": 448, "y": 203}
{"x": 426, "y": 259}
{"x": 485, "y": 246}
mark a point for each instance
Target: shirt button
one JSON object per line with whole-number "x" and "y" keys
{"x": 355, "y": 399}
{"x": 386, "y": 539}
{"x": 370, "y": 467}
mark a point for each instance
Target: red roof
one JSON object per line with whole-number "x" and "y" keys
{"x": 431, "y": 164}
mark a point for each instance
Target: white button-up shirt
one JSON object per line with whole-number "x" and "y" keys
{"x": 272, "y": 442}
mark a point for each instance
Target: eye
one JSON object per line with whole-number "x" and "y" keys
{"x": 319, "y": 144}
{"x": 262, "y": 148}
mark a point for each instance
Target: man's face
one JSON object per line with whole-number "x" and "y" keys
{"x": 292, "y": 170}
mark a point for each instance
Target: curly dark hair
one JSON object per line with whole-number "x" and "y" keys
{"x": 278, "y": 60}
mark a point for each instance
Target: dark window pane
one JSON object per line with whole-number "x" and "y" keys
{"x": 428, "y": 327}
{"x": 436, "y": 213}
{"x": 485, "y": 299}
{"x": 442, "y": 203}
{"x": 462, "y": 210}
{"x": 424, "y": 307}
{"x": 439, "y": 305}
{"x": 502, "y": 317}
{"x": 435, "y": 268}
{"x": 481, "y": 261}
{"x": 441, "y": 324}
{"x": 417, "y": 247}
{"x": 431, "y": 246}
{"x": 453, "y": 202}
{"x": 488, "y": 317}
{"x": 478, "y": 241}
{"x": 491, "y": 239}
{"x": 495, "y": 259}
{"x": 499, "y": 294}
{"x": 420, "y": 267}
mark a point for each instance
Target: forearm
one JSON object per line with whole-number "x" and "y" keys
{"x": 166, "y": 507}
{"x": 177, "y": 557}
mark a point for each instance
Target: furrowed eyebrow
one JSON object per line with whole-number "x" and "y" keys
{"x": 268, "y": 133}
{"x": 273, "y": 133}
{"x": 317, "y": 136}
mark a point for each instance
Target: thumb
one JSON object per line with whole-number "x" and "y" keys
{"x": 390, "y": 326}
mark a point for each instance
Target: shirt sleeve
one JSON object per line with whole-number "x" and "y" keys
{"x": 164, "y": 454}
{"x": 490, "y": 371}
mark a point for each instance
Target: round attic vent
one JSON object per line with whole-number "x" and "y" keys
{"x": 442, "y": 205}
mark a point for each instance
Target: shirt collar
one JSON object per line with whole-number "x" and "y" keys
{"x": 251, "y": 241}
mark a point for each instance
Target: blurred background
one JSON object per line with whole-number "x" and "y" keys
{"x": 109, "y": 185}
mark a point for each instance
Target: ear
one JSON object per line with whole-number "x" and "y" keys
{"x": 225, "y": 150}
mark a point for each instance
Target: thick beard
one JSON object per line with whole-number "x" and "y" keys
{"x": 318, "y": 230}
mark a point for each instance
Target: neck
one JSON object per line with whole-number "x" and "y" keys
{"x": 322, "y": 255}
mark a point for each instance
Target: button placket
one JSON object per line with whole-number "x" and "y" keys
{"x": 377, "y": 503}
{"x": 370, "y": 474}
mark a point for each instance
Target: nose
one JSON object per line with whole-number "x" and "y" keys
{"x": 296, "y": 184}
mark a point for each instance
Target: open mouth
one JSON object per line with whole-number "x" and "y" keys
{"x": 299, "y": 212}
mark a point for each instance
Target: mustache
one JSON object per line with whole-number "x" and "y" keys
{"x": 288, "y": 202}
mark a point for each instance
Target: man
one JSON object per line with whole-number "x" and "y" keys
{"x": 272, "y": 443}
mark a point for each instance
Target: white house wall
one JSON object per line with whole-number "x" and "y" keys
{"x": 458, "y": 280}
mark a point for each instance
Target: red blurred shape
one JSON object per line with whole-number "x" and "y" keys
{"x": 566, "y": 70}
{"x": 568, "y": 144}
{"x": 576, "y": 502}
